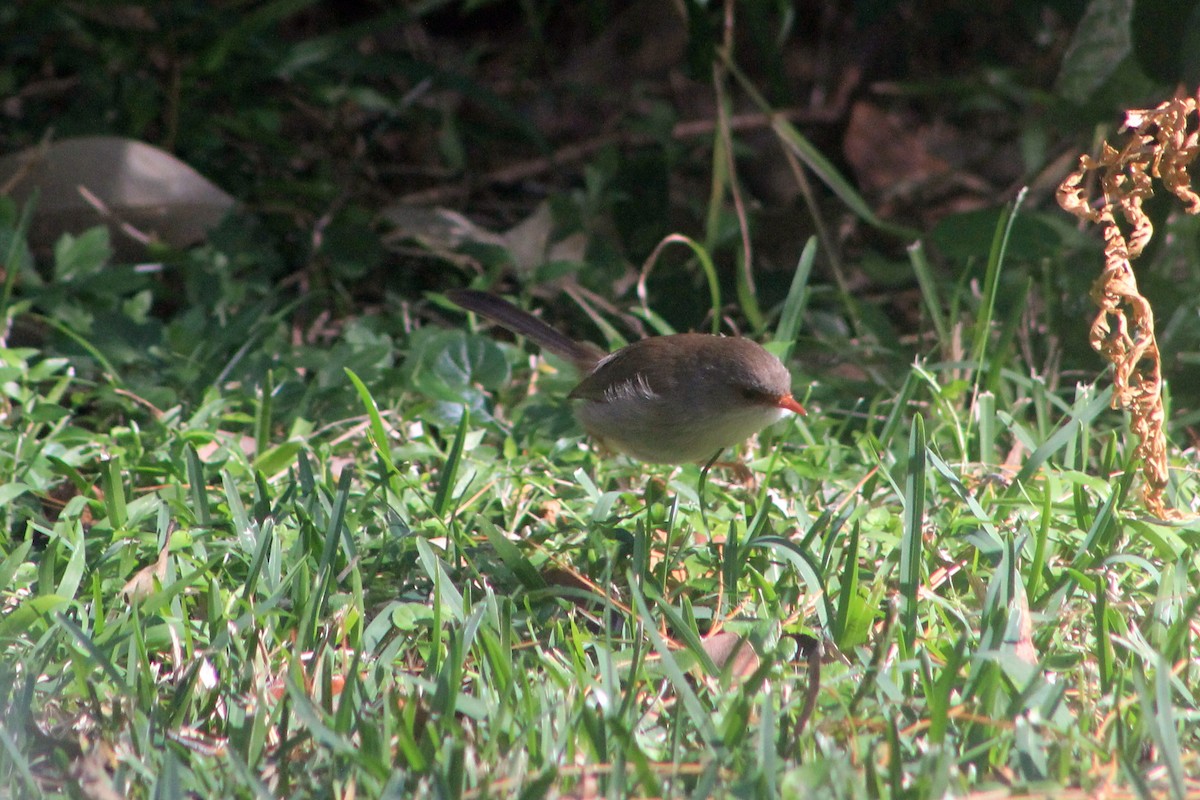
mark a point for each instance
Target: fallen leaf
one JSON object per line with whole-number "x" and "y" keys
{"x": 725, "y": 647}
{"x": 141, "y": 192}
{"x": 141, "y": 585}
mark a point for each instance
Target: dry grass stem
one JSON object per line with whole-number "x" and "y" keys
{"x": 1161, "y": 143}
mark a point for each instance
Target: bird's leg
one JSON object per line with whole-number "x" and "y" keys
{"x": 702, "y": 485}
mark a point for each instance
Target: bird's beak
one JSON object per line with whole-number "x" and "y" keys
{"x": 789, "y": 402}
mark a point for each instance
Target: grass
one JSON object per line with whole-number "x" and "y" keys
{"x": 314, "y": 537}
{"x": 422, "y": 600}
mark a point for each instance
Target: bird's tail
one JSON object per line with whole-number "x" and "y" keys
{"x": 582, "y": 354}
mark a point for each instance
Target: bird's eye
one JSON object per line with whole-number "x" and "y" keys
{"x": 753, "y": 395}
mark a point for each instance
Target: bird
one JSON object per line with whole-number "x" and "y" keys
{"x": 675, "y": 399}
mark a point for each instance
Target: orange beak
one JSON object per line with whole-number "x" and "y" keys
{"x": 789, "y": 402}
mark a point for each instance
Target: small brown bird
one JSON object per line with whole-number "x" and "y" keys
{"x": 667, "y": 399}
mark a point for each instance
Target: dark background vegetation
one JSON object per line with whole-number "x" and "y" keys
{"x": 563, "y": 142}
{"x": 321, "y": 117}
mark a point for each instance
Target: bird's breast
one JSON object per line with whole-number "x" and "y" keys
{"x": 666, "y": 433}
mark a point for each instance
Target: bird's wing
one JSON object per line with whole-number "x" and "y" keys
{"x": 621, "y": 375}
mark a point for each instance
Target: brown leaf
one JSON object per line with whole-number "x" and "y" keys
{"x": 1023, "y": 646}
{"x": 141, "y": 585}
{"x": 139, "y": 191}
{"x": 887, "y": 151}
{"x": 725, "y": 646}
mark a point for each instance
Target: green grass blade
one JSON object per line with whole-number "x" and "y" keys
{"x": 262, "y": 414}
{"x": 237, "y": 509}
{"x": 796, "y": 301}
{"x": 816, "y": 160}
{"x": 1095, "y": 545}
{"x": 378, "y": 436}
{"x": 929, "y": 293}
{"x": 706, "y": 264}
{"x": 1103, "y": 643}
{"x": 810, "y": 572}
{"x": 17, "y": 757}
{"x": 68, "y": 585}
{"x": 912, "y": 537}
{"x": 12, "y": 259}
{"x": 767, "y": 766}
{"x": 197, "y": 486}
{"x": 684, "y": 627}
{"x": 435, "y": 570}
{"x": 848, "y": 589}
{"x": 105, "y": 365}
{"x": 513, "y": 558}
{"x": 991, "y": 281}
{"x": 898, "y": 411}
{"x": 96, "y": 654}
{"x": 989, "y": 530}
{"x": 991, "y": 287}
{"x": 14, "y": 561}
{"x": 114, "y": 493}
{"x": 450, "y": 471}
{"x": 985, "y": 424}
{"x": 266, "y": 536}
{"x": 1040, "y": 542}
{"x": 1080, "y": 418}
{"x": 313, "y": 719}
{"x": 1164, "y": 730}
{"x": 683, "y": 688}
{"x": 317, "y": 603}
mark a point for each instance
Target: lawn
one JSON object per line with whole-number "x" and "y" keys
{"x": 282, "y": 521}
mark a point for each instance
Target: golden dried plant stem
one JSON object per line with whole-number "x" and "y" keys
{"x": 1162, "y": 144}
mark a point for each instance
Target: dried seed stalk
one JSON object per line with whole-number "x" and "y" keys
{"x": 1162, "y": 143}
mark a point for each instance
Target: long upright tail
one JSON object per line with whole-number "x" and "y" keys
{"x": 582, "y": 354}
